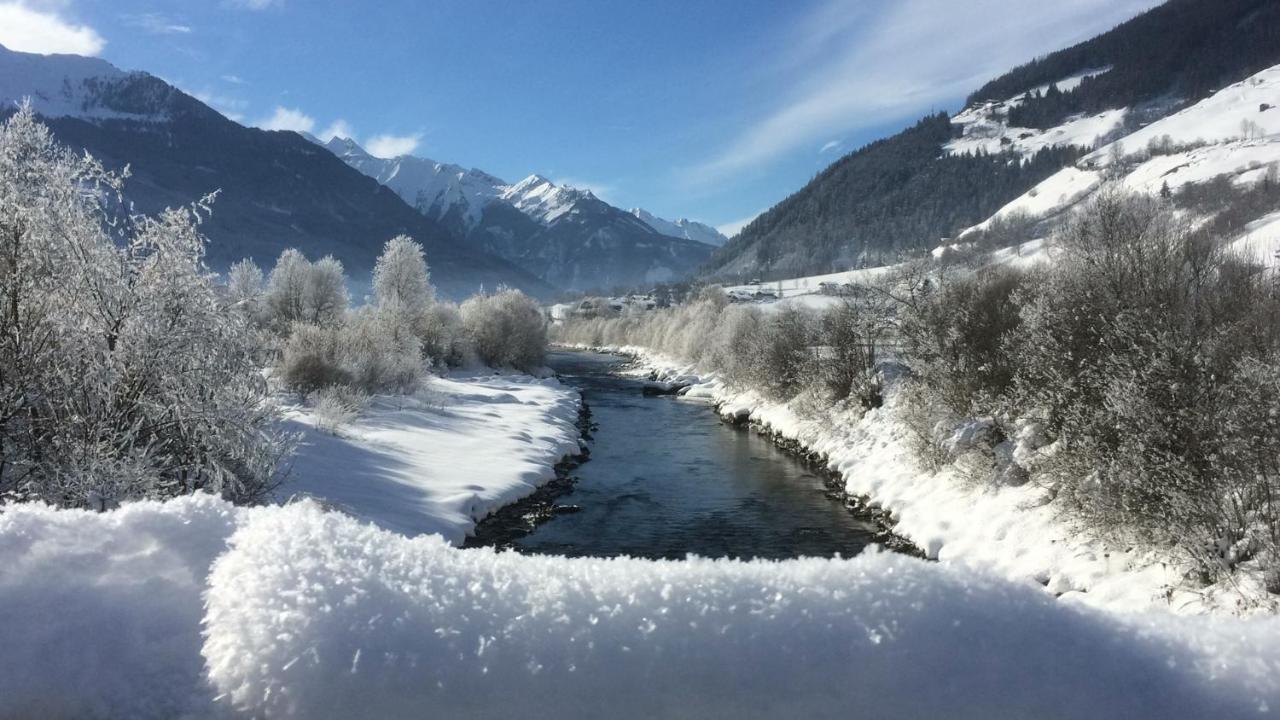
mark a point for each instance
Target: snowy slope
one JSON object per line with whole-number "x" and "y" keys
{"x": 435, "y": 189}
{"x": 1234, "y": 133}
{"x": 543, "y": 200}
{"x": 984, "y": 127}
{"x": 66, "y": 86}
{"x": 197, "y": 609}
{"x": 682, "y": 228}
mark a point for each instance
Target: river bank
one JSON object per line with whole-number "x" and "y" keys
{"x": 1017, "y": 532}
{"x": 443, "y": 459}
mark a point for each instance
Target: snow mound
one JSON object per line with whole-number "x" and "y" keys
{"x": 102, "y": 611}
{"x": 314, "y": 615}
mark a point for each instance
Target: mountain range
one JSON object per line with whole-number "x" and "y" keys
{"x": 278, "y": 189}
{"x": 566, "y": 236}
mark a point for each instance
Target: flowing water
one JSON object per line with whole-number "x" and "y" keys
{"x": 666, "y": 478}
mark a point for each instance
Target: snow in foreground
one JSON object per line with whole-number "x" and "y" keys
{"x": 198, "y": 608}
{"x": 439, "y": 462}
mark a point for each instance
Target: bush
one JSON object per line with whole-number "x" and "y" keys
{"x": 955, "y": 334}
{"x": 311, "y": 360}
{"x": 362, "y": 353}
{"x": 123, "y": 372}
{"x": 336, "y": 407}
{"x": 1140, "y": 351}
{"x": 506, "y": 330}
{"x": 849, "y": 336}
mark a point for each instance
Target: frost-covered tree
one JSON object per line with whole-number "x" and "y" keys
{"x": 122, "y": 373}
{"x": 287, "y": 288}
{"x": 245, "y": 288}
{"x": 401, "y": 278}
{"x": 324, "y": 296}
{"x": 506, "y": 329}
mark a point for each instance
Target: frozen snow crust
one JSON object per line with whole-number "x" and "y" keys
{"x": 313, "y": 614}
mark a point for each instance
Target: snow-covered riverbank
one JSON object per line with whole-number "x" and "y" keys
{"x": 1017, "y": 532}
{"x": 442, "y": 460}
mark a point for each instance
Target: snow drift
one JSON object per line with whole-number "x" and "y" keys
{"x": 314, "y": 614}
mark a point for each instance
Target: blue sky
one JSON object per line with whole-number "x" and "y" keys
{"x": 707, "y": 109}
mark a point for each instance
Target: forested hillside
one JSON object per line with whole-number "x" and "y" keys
{"x": 892, "y": 198}
{"x": 899, "y": 196}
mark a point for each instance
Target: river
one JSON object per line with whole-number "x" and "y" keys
{"x": 666, "y": 479}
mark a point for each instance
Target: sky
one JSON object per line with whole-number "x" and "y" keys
{"x": 708, "y": 109}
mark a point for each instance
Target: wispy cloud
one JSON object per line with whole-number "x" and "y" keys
{"x": 26, "y": 29}
{"x": 284, "y": 118}
{"x": 852, "y": 67}
{"x": 389, "y": 146}
{"x": 157, "y": 24}
{"x": 338, "y": 128}
{"x": 730, "y": 229}
{"x": 233, "y": 79}
{"x": 830, "y": 146}
{"x": 254, "y": 4}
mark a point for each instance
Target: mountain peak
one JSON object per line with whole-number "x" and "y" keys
{"x": 682, "y": 228}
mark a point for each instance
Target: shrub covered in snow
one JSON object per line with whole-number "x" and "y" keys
{"x": 336, "y": 406}
{"x": 1147, "y": 350}
{"x": 123, "y": 373}
{"x": 506, "y": 329}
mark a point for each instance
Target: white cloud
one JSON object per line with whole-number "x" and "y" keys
{"x": 338, "y": 128}
{"x": 255, "y": 4}
{"x": 27, "y": 30}
{"x": 730, "y": 229}
{"x": 233, "y": 79}
{"x": 288, "y": 119}
{"x": 157, "y": 24}
{"x": 831, "y": 145}
{"x": 852, "y": 67}
{"x": 389, "y": 146}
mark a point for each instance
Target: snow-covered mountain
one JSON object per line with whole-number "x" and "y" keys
{"x": 542, "y": 200}
{"x": 79, "y": 87}
{"x": 682, "y": 228}
{"x": 564, "y": 235}
{"x": 441, "y": 191}
{"x": 277, "y": 190}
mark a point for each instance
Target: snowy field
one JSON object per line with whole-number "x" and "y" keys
{"x": 441, "y": 460}
{"x": 194, "y": 608}
{"x": 1015, "y": 532}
